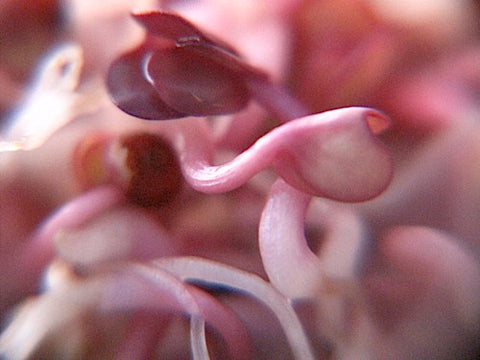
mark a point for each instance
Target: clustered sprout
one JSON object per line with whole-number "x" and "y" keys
{"x": 178, "y": 72}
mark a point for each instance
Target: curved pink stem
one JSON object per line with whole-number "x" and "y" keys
{"x": 332, "y": 154}
{"x": 288, "y": 261}
{"x": 203, "y": 176}
{"x": 126, "y": 234}
{"x": 290, "y": 264}
{"x": 200, "y": 304}
{"x": 175, "y": 297}
{"x": 212, "y": 272}
{"x": 35, "y": 255}
{"x": 128, "y": 288}
{"x": 226, "y": 322}
{"x": 78, "y": 211}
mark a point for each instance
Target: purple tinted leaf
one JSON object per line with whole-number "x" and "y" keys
{"x": 178, "y": 71}
{"x": 228, "y": 60}
{"x": 169, "y": 26}
{"x": 197, "y": 82}
{"x": 132, "y": 93}
{"x": 173, "y": 27}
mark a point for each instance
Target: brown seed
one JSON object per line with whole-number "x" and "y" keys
{"x": 156, "y": 177}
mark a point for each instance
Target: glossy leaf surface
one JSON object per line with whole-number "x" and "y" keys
{"x": 178, "y": 71}
{"x": 132, "y": 93}
{"x": 195, "y": 83}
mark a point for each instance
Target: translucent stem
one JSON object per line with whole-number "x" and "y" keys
{"x": 277, "y": 100}
{"x": 205, "y": 270}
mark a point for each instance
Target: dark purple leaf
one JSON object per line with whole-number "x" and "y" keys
{"x": 195, "y": 83}
{"x": 179, "y": 71}
{"x": 132, "y": 93}
{"x": 168, "y": 26}
{"x": 173, "y": 27}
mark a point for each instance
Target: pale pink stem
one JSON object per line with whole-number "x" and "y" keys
{"x": 127, "y": 233}
{"x": 276, "y": 100}
{"x": 199, "y": 304}
{"x": 226, "y": 322}
{"x": 34, "y": 256}
{"x": 129, "y": 288}
{"x": 203, "y": 176}
{"x": 289, "y": 263}
{"x": 158, "y": 290}
{"x": 78, "y": 211}
{"x": 241, "y": 129}
{"x": 216, "y": 273}
{"x": 332, "y": 154}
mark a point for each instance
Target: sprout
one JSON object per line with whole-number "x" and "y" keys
{"x": 178, "y": 71}
{"x": 332, "y": 154}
